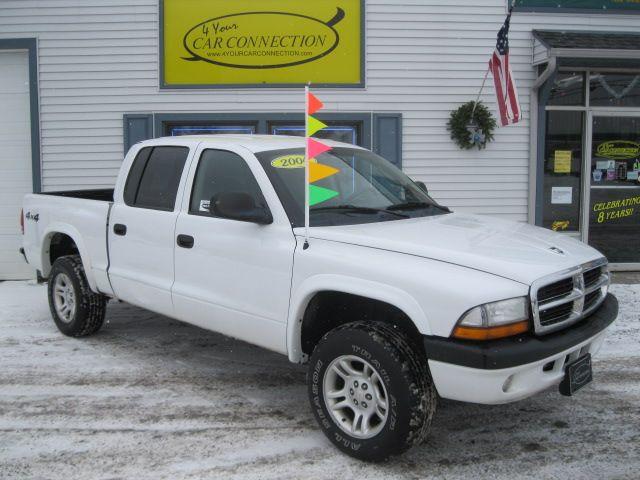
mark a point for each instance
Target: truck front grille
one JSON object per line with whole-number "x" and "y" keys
{"x": 555, "y": 290}
{"x": 564, "y": 298}
{"x": 554, "y": 315}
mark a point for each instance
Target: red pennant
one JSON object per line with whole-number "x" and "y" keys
{"x": 315, "y": 148}
{"x": 314, "y": 104}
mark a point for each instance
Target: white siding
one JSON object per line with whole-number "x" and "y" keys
{"x": 99, "y": 59}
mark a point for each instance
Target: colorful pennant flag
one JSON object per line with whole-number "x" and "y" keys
{"x": 313, "y": 104}
{"x": 315, "y": 148}
{"x": 320, "y": 194}
{"x": 314, "y": 125}
{"x": 314, "y": 171}
{"x": 318, "y": 171}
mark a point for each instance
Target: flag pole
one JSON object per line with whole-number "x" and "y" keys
{"x": 484, "y": 80}
{"x": 306, "y": 167}
{"x": 511, "y": 4}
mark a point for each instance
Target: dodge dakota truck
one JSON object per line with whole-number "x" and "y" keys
{"x": 393, "y": 302}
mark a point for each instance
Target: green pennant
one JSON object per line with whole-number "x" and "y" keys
{"x": 320, "y": 194}
{"x": 313, "y": 125}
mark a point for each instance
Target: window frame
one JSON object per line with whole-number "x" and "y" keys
{"x": 262, "y": 198}
{"x": 138, "y": 181}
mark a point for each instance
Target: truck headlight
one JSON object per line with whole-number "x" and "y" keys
{"x": 494, "y": 320}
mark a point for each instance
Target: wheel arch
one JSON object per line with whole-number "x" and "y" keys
{"x": 395, "y": 299}
{"x": 56, "y": 233}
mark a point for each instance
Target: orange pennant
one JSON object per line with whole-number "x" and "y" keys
{"x": 314, "y": 104}
{"x": 318, "y": 171}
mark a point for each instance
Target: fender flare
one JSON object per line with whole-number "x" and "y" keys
{"x": 69, "y": 230}
{"x": 357, "y": 286}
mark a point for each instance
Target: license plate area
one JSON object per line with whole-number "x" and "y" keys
{"x": 577, "y": 374}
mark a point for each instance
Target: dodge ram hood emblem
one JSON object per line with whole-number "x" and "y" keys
{"x": 557, "y": 250}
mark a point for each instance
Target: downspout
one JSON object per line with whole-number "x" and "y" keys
{"x": 534, "y": 192}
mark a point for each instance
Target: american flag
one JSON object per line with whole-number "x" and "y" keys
{"x": 506, "y": 92}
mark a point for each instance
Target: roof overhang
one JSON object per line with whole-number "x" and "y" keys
{"x": 586, "y": 49}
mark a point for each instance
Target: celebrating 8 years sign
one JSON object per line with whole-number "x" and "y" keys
{"x": 210, "y": 43}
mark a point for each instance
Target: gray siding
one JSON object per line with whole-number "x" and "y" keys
{"x": 99, "y": 59}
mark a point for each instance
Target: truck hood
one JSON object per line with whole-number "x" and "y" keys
{"x": 517, "y": 251}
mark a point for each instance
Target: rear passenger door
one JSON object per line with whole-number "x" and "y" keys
{"x": 142, "y": 227}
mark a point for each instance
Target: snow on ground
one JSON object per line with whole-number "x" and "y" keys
{"x": 149, "y": 397}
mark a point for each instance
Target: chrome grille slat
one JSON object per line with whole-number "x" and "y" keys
{"x": 556, "y": 290}
{"x": 555, "y": 306}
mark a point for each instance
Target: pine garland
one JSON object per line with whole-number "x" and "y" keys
{"x": 461, "y": 118}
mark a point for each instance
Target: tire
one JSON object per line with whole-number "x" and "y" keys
{"x": 68, "y": 286}
{"x": 396, "y": 372}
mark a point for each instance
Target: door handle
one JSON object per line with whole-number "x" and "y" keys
{"x": 185, "y": 241}
{"x": 120, "y": 229}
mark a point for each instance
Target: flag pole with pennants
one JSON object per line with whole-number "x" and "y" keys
{"x": 314, "y": 171}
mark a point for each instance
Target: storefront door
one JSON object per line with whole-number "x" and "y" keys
{"x": 613, "y": 185}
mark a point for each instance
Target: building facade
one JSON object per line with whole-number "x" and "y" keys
{"x": 83, "y": 80}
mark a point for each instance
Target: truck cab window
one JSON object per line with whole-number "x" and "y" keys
{"x": 221, "y": 171}
{"x": 154, "y": 177}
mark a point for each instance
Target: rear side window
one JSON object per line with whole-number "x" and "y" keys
{"x": 221, "y": 171}
{"x": 154, "y": 177}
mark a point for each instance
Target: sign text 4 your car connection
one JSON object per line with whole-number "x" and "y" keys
{"x": 209, "y": 43}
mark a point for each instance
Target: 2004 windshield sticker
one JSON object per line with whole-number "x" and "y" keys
{"x": 288, "y": 161}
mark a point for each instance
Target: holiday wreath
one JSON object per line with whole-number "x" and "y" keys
{"x": 470, "y": 132}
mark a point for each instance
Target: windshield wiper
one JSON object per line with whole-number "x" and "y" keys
{"x": 415, "y": 206}
{"x": 355, "y": 208}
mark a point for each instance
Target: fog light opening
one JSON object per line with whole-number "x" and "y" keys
{"x": 507, "y": 384}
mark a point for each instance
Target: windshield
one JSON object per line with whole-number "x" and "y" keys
{"x": 366, "y": 188}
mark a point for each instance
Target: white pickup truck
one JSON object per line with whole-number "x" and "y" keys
{"x": 394, "y": 301}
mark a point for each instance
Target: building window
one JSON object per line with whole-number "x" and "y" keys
{"x": 179, "y": 130}
{"x": 614, "y": 90}
{"x": 568, "y": 89}
{"x": 563, "y": 170}
{"x": 339, "y": 133}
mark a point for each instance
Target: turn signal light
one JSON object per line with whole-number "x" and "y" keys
{"x": 490, "y": 333}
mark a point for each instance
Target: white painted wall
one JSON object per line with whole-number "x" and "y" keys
{"x": 99, "y": 59}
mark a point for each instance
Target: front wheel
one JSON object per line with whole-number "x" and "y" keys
{"x": 370, "y": 390}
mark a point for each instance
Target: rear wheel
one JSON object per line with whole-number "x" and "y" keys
{"x": 76, "y": 310}
{"x": 370, "y": 390}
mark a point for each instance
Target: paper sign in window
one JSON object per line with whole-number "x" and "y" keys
{"x": 562, "y": 161}
{"x": 561, "y": 195}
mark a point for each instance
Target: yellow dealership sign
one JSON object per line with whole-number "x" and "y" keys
{"x": 217, "y": 43}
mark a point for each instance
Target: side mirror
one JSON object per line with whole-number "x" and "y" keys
{"x": 239, "y": 206}
{"x": 422, "y": 186}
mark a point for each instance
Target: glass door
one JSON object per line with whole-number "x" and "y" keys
{"x": 614, "y": 185}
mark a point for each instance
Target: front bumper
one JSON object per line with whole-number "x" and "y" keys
{"x": 510, "y": 369}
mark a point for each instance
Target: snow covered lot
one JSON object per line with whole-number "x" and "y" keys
{"x": 149, "y": 397}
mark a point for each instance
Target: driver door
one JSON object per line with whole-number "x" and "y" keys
{"x": 233, "y": 276}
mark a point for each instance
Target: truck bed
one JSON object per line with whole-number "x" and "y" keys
{"x": 103, "y": 194}
{"x": 81, "y": 215}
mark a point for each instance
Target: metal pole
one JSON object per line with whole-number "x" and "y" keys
{"x": 306, "y": 167}
{"x": 479, "y": 93}
{"x": 510, "y": 9}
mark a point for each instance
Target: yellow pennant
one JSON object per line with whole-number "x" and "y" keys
{"x": 314, "y": 125}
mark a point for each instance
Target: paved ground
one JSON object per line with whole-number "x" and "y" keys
{"x": 149, "y": 397}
